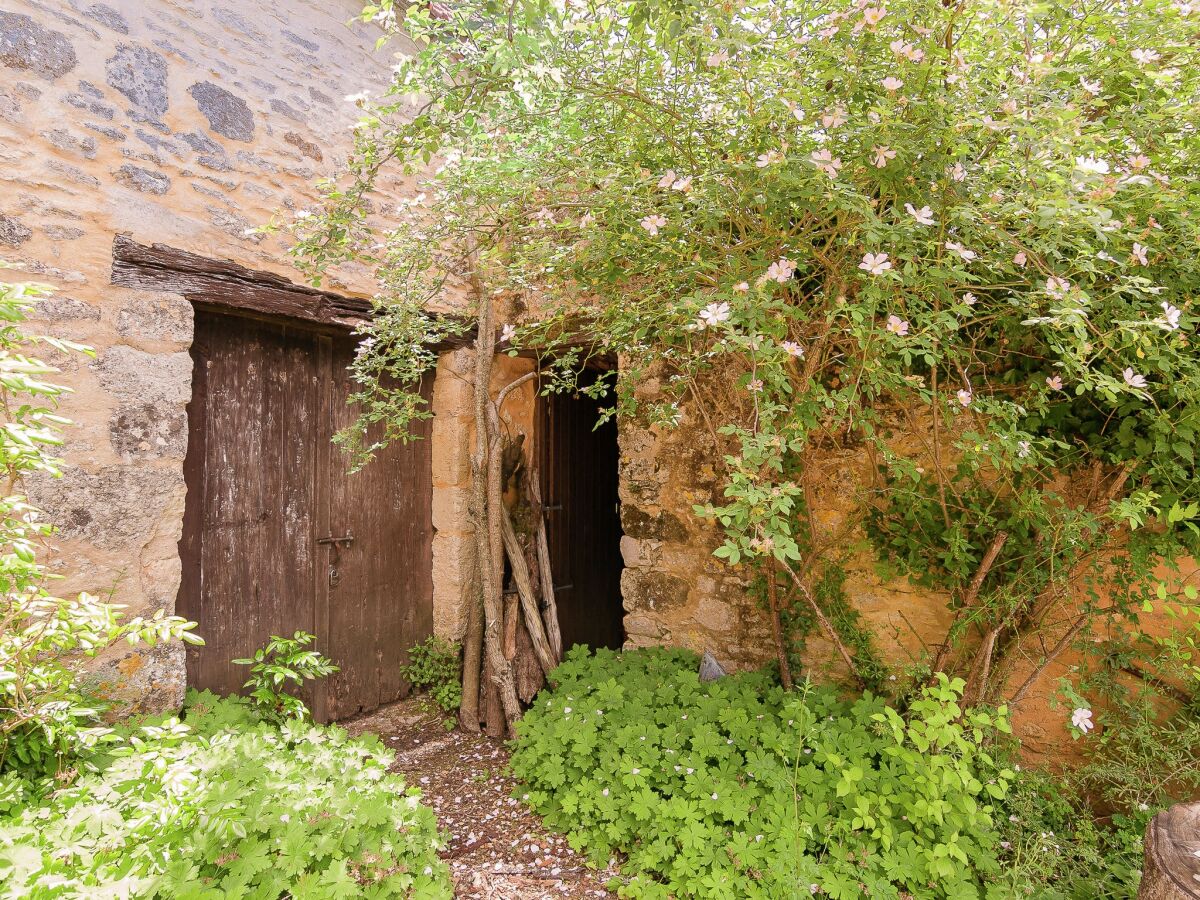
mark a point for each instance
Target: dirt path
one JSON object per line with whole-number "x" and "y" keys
{"x": 498, "y": 849}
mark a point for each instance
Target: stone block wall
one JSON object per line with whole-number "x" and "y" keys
{"x": 184, "y": 122}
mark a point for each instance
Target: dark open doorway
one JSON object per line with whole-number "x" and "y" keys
{"x": 578, "y": 462}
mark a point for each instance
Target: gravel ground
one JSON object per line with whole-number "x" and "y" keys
{"x": 498, "y": 849}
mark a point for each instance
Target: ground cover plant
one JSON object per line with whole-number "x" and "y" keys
{"x": 737, "y": 788}
{"x": 434, "y": 667}
{"x": 223, "y": 803}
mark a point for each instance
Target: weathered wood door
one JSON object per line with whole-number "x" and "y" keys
{"x": 278, "y": 537}
{"x": 578, "y": 470}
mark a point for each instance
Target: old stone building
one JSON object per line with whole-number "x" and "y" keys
{"x": 142, "y": 142}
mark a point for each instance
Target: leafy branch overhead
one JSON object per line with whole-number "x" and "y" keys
{"x": 953, "y": 242}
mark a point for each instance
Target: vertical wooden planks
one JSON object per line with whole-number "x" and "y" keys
{"x": 382, "y": 601}
{"x": 265, "y": 486}
{"x": 248, "y": 572}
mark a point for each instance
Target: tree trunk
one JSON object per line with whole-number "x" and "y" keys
{"x": 785, "y": 670}
{"x": 1171, "y": 870}
{"x": 486, "y": 505}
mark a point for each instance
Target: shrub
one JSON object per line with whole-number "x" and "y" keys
{"x": 225, "y": 805}
{"x": 280, "y": 663}
{"x": 735, "y": 788}
{"x": 434, "y": 666}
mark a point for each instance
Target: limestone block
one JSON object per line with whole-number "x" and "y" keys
{"x": 25, "y": 44}
{"x": 161, "y": 379}
{"x": 140, "y": 74}
{"x": 115, "y": 508}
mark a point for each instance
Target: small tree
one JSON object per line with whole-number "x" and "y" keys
{"x": 825, "y": 226}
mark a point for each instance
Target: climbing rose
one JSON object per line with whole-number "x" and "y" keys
{"x": 891, "y": 84}
{"x": 1054, "y": 382}
{"x": 874, "y": 15}
{"x": 1092, "y": 87}
{"x": 827, "y": 162}
{"x": 834, "y": 118}
{"x": 1170, "y": 317}
{"x": 653, "y": 223}
{"x": 1020, "y": 259}
{"x": 1133, "y": 379}
{"x": 1082, "y": 719}
{"x": 1091, "y": 165}
{"x": 924, "y": 215}
{"x": 507, "y": 333}
{"x": 897, "y": 325}
{"x": 881, "y": 156}
{"x": 1139, "y": 255}
{"x": 668, "y": 179}
{"x": 781, "y": 270}
{"x": 875, "y": 263}
{"x": 769, "y": 158}
{"x": 1057, "y": 287}
{"x": 718, "y": 59}
{"x": 962, "y": 251}
{"x": 714, "y": 313}
{"x": 964, "y": 397}
{"x": 793, "y": 349}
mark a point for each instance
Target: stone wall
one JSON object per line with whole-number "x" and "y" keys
{"x": 675, "y": 592}
{"x": 185, "y": 122}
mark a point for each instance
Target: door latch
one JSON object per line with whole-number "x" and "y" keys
{"x": 336, "y": 543}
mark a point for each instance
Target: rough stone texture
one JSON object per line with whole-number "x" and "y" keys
{"x": 13, "y": 232}
{"x": 143, "y": 179}
{"x": 117, "y": 145}
{"x": 308, "y": 148}
{"x": 227, "y": 114}
{"x": 27, "y": 44}
{"x": 108, "y": 17}
{"x": 141, "y": 75}
{"x": 144, "y": 430}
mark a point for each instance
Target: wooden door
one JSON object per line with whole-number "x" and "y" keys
{"x": 578, "y": 470}
{"x": 267, "y": 493}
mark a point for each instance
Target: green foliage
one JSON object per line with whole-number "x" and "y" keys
{"x": 223, "y": 805}
{"x": 954, "y": 239}
{"x": 281, "y": 664}
{"x": 434, "y": 666}
{"x": 46, "y": 716}
{"x": 1054, "y": 848}
{"x": 737, "y": 789}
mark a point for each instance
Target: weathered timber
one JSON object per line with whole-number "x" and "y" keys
{"x": 225, "y": 286}
{"x": 529, "y": 604}
{"x": 545, "y": 572}
{"x": 278, "y": 536}
{"x": 1171, "y": 870}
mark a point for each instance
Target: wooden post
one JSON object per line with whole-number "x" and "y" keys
{"x": 550, "y": 607}
{"x": 533, "y": 617}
